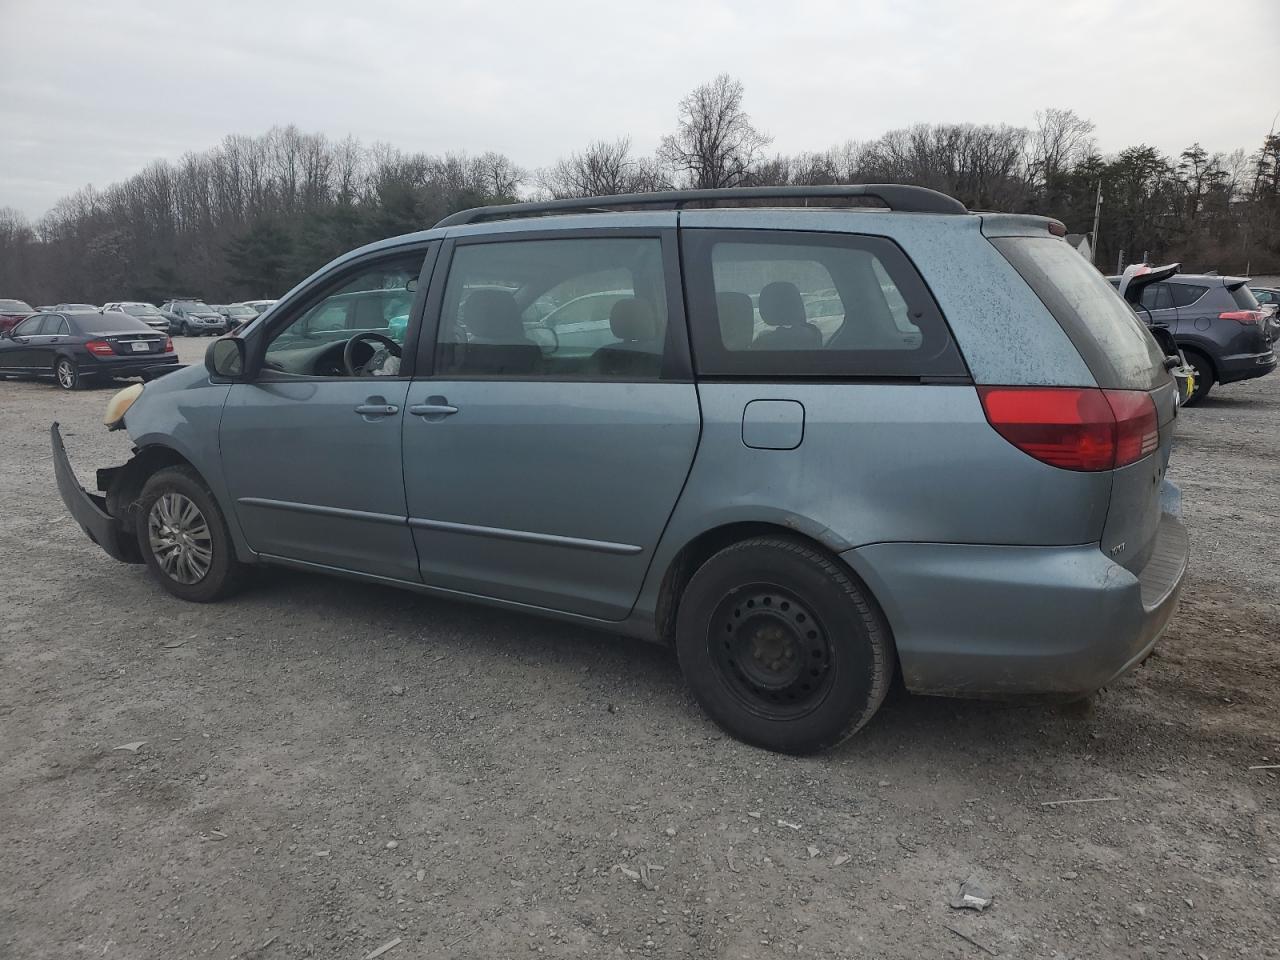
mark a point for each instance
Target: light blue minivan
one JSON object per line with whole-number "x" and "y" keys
{"x": 807, "y": 446}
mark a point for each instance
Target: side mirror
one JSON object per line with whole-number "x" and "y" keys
{"x": 225, "y": 359}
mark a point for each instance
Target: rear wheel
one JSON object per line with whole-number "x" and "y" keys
{"x": 184, "y": 539}
{"x": 1204, "y": 377}
{"x": 67, "y": 374}
{"x": 781, "y": 647}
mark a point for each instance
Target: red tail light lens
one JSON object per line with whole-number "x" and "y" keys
{"x": 168, "y": 344}
{"x": 99, "y": 348}
{"x": 1241, "y": 316}
{"x": 1074, "y": 428}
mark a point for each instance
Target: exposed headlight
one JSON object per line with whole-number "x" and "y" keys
{"x": 119, "y": 404}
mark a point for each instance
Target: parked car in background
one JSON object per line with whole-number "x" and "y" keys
{"x": 146, "y": 312}
{"x": 237, "y": 314}
{"x": 767, "y": 500}
{"x": 78, "y": 347}
{"x": 193, "y": 318}
{"x": 13, "y": 312}
{"x": 1216, "y": 322}
{"x": 1269, "y": 299}
{"x": 259, "y": 305}
{"x": 75, "y": 308}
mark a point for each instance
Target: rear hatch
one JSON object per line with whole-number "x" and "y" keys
{"x": 1127, "y": 364}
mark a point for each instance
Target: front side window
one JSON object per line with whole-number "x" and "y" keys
{"x": 372, "y": 304}
{"x": 588, "y": 308}
{"x": 29, "y": 327}
{"x": 775, "y": 304}
{"x": 1185, "y": 294}
{"x": 1155, "y": 296}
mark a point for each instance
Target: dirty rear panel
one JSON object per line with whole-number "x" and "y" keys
{"x": 1122, "y": 355}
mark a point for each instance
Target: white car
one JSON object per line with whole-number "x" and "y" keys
{"x": 146, "y": 312}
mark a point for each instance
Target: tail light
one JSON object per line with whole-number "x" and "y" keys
{"x": 1074, "y": 428}
{"x": 1242, "y": 316}
{"x": 99, "y": 348}
{"x": 168, "y": 344}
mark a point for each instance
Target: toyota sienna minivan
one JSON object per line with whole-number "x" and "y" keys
{"x": 806, "y": 446}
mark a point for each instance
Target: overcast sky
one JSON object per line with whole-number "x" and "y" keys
{"x": 91, "y": 91}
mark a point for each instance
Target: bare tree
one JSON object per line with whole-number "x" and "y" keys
{"x": 715, "y": 143}
{"x": 604, "y": 168}
{"x": 1060, "y": 140}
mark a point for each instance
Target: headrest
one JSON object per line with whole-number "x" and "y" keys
{"x": 737, "y": 320}
{"x": 492, "y": 315}
{"x": 633, "y": 320}
{"x": 781, "y": 305}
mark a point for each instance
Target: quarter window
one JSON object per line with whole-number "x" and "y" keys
{"x": 770, "y": 304}
{"x": 582, "y": 308}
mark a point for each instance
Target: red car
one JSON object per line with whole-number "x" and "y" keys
{"x": 13, "y": 312}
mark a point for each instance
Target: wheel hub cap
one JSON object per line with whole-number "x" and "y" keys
{"x": 771, "y": 651}
{"x": 179, "y": 538}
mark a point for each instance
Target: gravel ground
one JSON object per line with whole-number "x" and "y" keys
{"x": 328, "y": 767}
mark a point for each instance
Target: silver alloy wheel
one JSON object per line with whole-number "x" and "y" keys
{"x": 179, "y": 538}
{"x": 66, "y": 374}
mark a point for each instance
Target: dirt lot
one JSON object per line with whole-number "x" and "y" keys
{"x": 328, "y": 767}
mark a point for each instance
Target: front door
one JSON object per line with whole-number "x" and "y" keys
{"x": 542, "y": 464}
{"x": 19, "y": 351}
{"x": 311, "y": 448}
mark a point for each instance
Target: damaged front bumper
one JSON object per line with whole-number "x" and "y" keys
{"x": 90, "y": 510}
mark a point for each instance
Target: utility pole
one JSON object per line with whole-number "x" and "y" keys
{"x": 1097, "y": 214}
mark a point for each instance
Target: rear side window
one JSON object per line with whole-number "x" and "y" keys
{"x": 1185, "y": 294}
{"x": 1244, "y": 297}
{"x": 774, "y": 304}
{"x": 1115, "y": 344}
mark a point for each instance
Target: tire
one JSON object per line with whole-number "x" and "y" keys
{"x": 1204, "y": 377}
{"x": 184, "y": 329}
{"x": 207, "y": 569}
{"x": 820, "y": 653}
{"x": 66, "y": 374}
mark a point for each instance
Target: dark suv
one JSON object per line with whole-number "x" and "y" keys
{"x": 1216, "y": 321}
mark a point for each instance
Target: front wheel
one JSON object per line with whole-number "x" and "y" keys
{"x": 781, "y": 647}
{"x": 184, "y": 539}
{"x": 67, "y": 374}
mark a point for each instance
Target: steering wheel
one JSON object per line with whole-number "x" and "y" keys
{"x": 348, "y": 352}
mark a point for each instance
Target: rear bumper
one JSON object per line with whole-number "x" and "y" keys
{"x": 1246, "y": 366}
{"x": 87, "y": 510}
{"x": 1000, "y": 621}
{"x": 127, "y": 366}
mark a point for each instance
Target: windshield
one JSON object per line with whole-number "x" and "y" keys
{"x": 15, "y": 306}
{"x": 141, "y": 310}
{"x": 109, "y": 323}
{"x": 77, "y": 308}
{"x": 193, "y": 305}
{"x": 241, "y": 311}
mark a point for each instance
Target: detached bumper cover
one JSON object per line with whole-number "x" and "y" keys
{"x": 88, "y": 510}
{"x": 1002, "y": 621}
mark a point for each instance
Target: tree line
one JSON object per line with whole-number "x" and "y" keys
{"x": 252, "y": 216}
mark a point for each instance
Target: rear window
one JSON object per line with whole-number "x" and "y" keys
{"x": 1244, "y": 297}
{"x": 108, "y": 323}
{"x": 1115, "y": 344}
{"x": 774, "y": 304}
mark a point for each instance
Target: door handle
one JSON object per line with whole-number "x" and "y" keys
{"x": 377, "y": 409}
{"x": 436, "y": 408}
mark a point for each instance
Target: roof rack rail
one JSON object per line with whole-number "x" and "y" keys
{"x": 895, "y": 196}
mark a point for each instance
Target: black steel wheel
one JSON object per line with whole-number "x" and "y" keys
{"x": 782, "y": 646}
